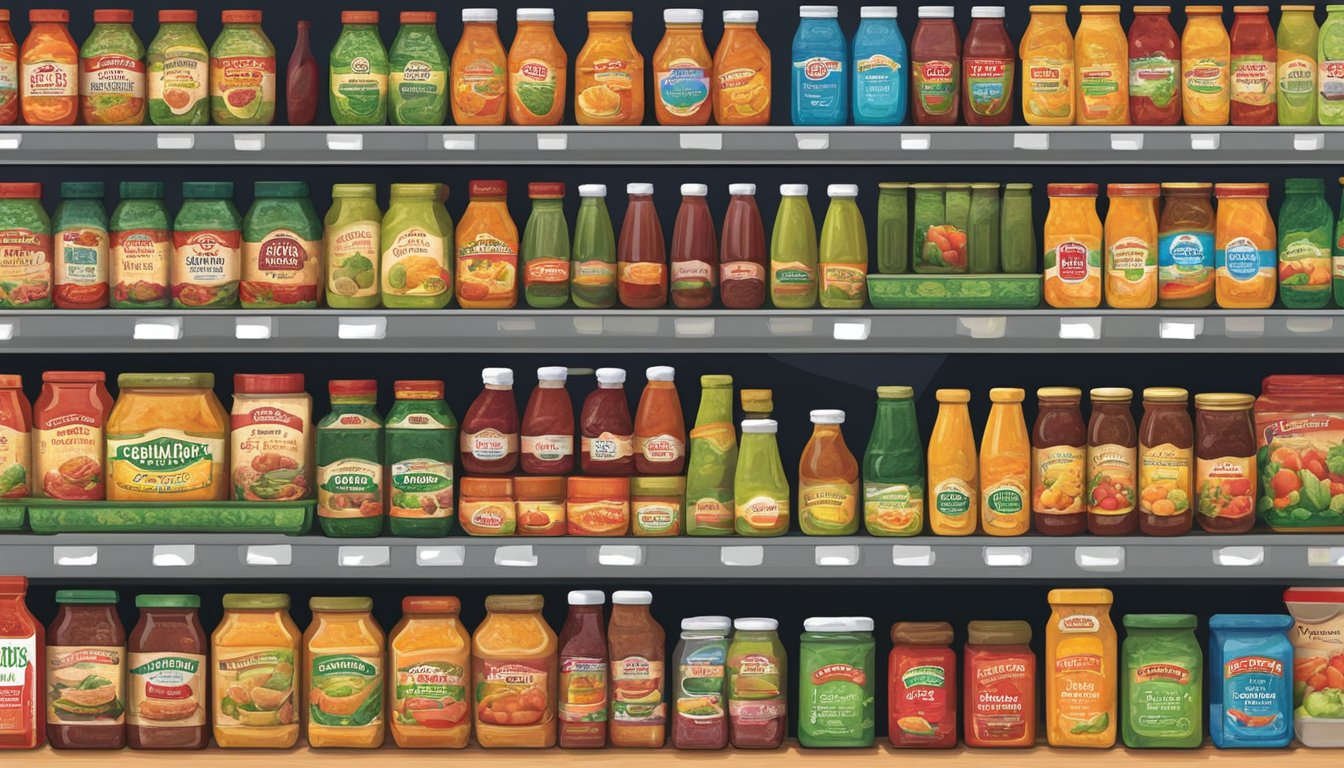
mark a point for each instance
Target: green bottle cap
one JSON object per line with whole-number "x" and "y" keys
{"x": 82, "y": 190}
{"x": 142, "y": 190}
{"x": 341, "y": 604}
{"x": 1161, "y": 621}
{"x": 87, "y": 596}
{"x": 354, "y": 190}
{"x": 280, "y": 189}
{"x": 895, "y": 393}
{"x": 167, "y": 601}
{"x": 165, "y": 380}
{"x": 716, "y": 380}
{"x": 207, "y": 190}
{"x": 256, "y": 601}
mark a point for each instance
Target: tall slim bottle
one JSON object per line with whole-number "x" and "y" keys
{"x": 793, "y": 251}
{"x": 713, "y": 460}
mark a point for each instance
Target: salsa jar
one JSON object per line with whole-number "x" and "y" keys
{"x": 636, "y": 648}
{"x": 178, "y": 72}
{"x": 1225, "y": 466}
{"x": 988, "y": 63}
{"x": 141, "y": 253}
{"x": 935, "y": 59}
{"x": 1185, "y": 252}
{"x": 1254, "y": 75}
{"x": 1131, "y": 246}
{"x": 25, "y": 240}
{"x": 70, "y": 452}
{"x": 242, "y": 72}
{"x": 699, "y": 697}
{"x": 1059, "y": 461}
{"x": 271, "y": 438}
{"x": 166, "y": 674}
{"x": 836, "y": 671}
{"x": 1166, "y": 453}
{"x": 583, "y": 708}
{"x": 112, "y": 71}
{"x": 758, "y": 709}
{"x": 1073, "y": 241}
{"x": 429, "y": 652}
{"x": 999, "y": 676}
{"x": 207, "y": 247}
{"x": 344, "y": 674}
{"x": 541, "y": 505}
{"x": 167, "y": 439}
{"x": 86, "y": 672}
{"x": 22, "y": 645}
{"x": 1154, "y": 67}
{"x": 282, "y": 248}
{"x": 255, "y": 655}
{"x": 514, "y": 672}
{"x": 1112, "y": 463}
{"x": 922, "y": 685}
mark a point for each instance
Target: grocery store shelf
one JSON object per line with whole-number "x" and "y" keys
{"x": 1255, "y": 557}
{"x": 665, "y": 331}
{"x": 653, "y": 145}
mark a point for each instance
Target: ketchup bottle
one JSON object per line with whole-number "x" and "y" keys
{"x": 694, "y": 257}
{"x": 490, "y": 428}
{"x": 548, "y": 425}
{"x": 301, "y": 80}
{"x": 607, "y": 447}
{"x": 660, "y": 430}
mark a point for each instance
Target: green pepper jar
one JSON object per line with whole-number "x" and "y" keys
{"x": 350, "y": 461}
{"x": 1162, "y": 682}
{"x": 25, "y": 240}
{"x": 242, "y": 72}
{"x": 982, "y": 233}
{"x": 352, "y": 246}
{"x": 893, "y": 227}
{"x": 142, "y": 247}
{"x": 417, "y": 236}
{"x": 207, "y": 240}
{"x": 1305, "y": 227}
{"x": 545, "y": 249}
{"x": 179, "y": 72}
{"x": 418, "y": 92}
{"x": 1017, "y": 231}
{"x": 79, "y": 243}
{"x": 420, "y": 448}
{"x": 359, "y": 70}
{"x": 836, "y": 672}
{"x": 282, "y": 248}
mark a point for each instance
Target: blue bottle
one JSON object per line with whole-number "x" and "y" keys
{"x": 1250, "y": 680}
{"x": 820, "y": 84}
{"x": 880, "y": 66}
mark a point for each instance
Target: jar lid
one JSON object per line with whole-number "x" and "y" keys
{"x": 1250, "y": 9}
{"x": 1133, "y": 190}
{"x": 953, "y": 395}
{"x": 429, "y": 604}
{"x": 167, "y": 601}
{"x": 11, "y": 585}
{"x": 827, "y": 416}
{"x": 87, "y": 596}
{"x": 273, "y": 189}
{"x": 416, "y": 190}
{"x": 1111, "y": 395}
{"x": 113, "y": 16}
{"x": 707, "y": 624}
{"x": 480, "y": 14}
{"x": 639, "y": 189}
{"x": 987, "y": 12}
{"x": 418, "y": 389}
{"x": 587, "y": 597}
{"x": 877, "y": 12}
{"x": 660, "y": 373}
{"x": 488, "y": 487}
{"x": 1007, "y": 395}
{"x": 1080, "y": 597}
{"x": 715, "y": 380}
{"x": 895, "y": 393}
{"x": 1328, "y": 595}
{"x": 894, "y": 185}
{"x": 11, "y": 381}
{"x": 1018, "y": 186}
{"x": 922, "y": 633}
{"x": 1203, "y": 10}
{"x": 48, "y": 15}
{"x": 936, "y": 12}
{"x": 758, "y": 400}
{"x": 694, "y": 190}
{"x": 755, "y": 625}
{"x": 177, "y": 17}
{"x": 741, "y": 17}
{"x": 800, "y": 190}
{"x": 141, "y": 190}
{"x": 207, "y": 190}
{"x": 256, "y": 601}
{"x": 1186, "y": 186}
{"x": 1224, "y": 401}
{"x": 552, "y": 373}
{"x": 74, "y": 377}
{"x": 1160, "y": 621}
{"x": 1254, "y": 190}
{"x": 546, "y": 190}
{"x": 488, "y": 188}
{"x": 585, "y": 487}
{"x": 419, "y": 17}
{"x": 592, "y": 190}
{"x": 1141, "y": 9}
{"x": 536, "y": 14}
{"x": 610, "y": 375}
{"x": 683, "y": 16}
{"x": 268, "y": 383}
{"x": 760, "y": 426}
{"x": 341, "y": 604}
{"x": 1071, "y": 190}
{"x": 529, "y": 487}
{"x": 658, "y": 485}
{"x": 359, "y": 17}
{"x": 82, "y": 190}
{"x": 998, "y": 633}
{"x": 497, "y": 377}
{"x": 1059, "y": 393}
{"x": 1100, "y": 9}
{"x": 842, "y": 190}
{"x": 838, "y": 624}
{"x": 611, "y": 17}
{"x": 631, "y": 597}
{"x": 240, "y": 17}
{"x": 20, "y": 190}
{"x": 166, "y": 380}
{"x": 1165, "y": 395}
{"x": 514, "y": 603}
{"x": 819, "y": 11}
{"x": 369, "y": 191}
{"x": 352, "y": 388}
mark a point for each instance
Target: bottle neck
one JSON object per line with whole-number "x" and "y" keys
{"x": 716, "y": 405}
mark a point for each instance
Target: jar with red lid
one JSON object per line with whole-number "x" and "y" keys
{"x": 598, "y": 506}
{"x": 487, "y": 506}
{"x": 271, "y": 438}
{"x": 1166, "y": 462}
{"x": 541, "y": 505}
{"x": 1225, "y": 467}
{"x": 69, "y": 439}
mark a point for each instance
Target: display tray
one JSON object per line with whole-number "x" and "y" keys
{"x": 48, "y": 516}
{"x": 12, "y": 516}
{"x": 954, "y": 291}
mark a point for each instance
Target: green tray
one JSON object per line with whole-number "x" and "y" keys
{"x": 954, "y": 291}
{"x": 50, "y": 516}
{"x": 11, "y": 517}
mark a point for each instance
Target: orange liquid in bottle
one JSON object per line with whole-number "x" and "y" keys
{"x": 660, "y": 431}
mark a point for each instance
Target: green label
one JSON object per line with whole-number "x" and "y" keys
{"x": 1004, "y": 501}
{"x": 836, "y": 689}
{"x": 1153, "y": 78}
{"x": 163, "y": 454}
{"x": 930, "y": 676}
{"x": 345, "y": 690}
{"x": 347, "y": 482}
{"x": 168, "y": 664}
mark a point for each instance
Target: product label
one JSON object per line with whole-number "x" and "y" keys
{"x": 81, "y": 257}
{"x": 546, "y": 270}
{"x": 844, "y": 281}
{"x": 692, "y": 271}
{"x": 700, "y": 677}
{"x": 415, "y": 264}
{"x": 490, "y": 517}
{"x": 1206, "y": 75}
{"x": 1241, "y": 260}
{"x": 643, "y": 273}
{"x": 660, "y": 449}
{"x": 877, "y": 80}
{"x": 1164, "y": 479}
{"x": 112, "y": 74}
{"x": 1071, "y": 262}
{"x": 203, "y": 260}
{"x": 1058, "y": 473}
{"x": 921, "y": 698}
{"x": 835, "y": 692}
{"x": 418, "y": 80}
{"x": 254, "y": 687}
{"x": 792, "y": 273}
{"x": 1185, "y": 257}
{"x": 1111, "y": 470}
{"x": 283, "y": 258}
{"x": 893, "y": 510}
{"x": 1082, "y": 706}
{"x": 269, "y": 453}
{"x": 763, "y": 512}
{"x": 1164, "y": 695}
{"x": 536, "y": 516}
{"x": 421, "y": 488}
{"x": 731, "y": 271}
{"x": 509, "y": 692}
{"x": 608, "y": 447}
{"x": 1099, "y": 81}
{"x": 25, "y": 261}
{"x": 352, "y": 253}
{"x": 251, "y": 77}
{"x": 534, "y": 84}
{"x": 989, "y": 84}
{"x": 998, "y": 691}
{"x": 1048, "y": 86}
{"x": 86, "y": 685}
{"x": 489, "y": 444}
{"x": 953, "y": 500}
{"x": 746, "y": 90}
{"x": 548, "y": 447}
{"x": 594, "y": 273}
{"x": 1226, "y": 487}
{"x": 1300, "y": 261}
{"x": 655, "y": 518}
{"x": 429, "y": 691}
{"x": 637, "y": 685}
{"x": 345, "y": 690}
{"x": 1254, "y": 693}
{"x": 712, "y": 514}
{"x": 139, "y": 260}
{"x": 827, "y": 507}
{"x": 683, "y": 87}
{"x": 487, "y": 267}
{"x": 1253, "y": 80}
{"x": 184, "y": 81}
{"x": 50, "y": 78}
{"x": 164, "y": 462}
{"x": 1297, "y": 78}
{"x": 936, "y": 84}
{"x": 1132, "y": 259}
{"x": 349, "y": 488}
{"x": 360, "y": 90}
{"x": 18, "y": 684}
{"x": 1005, "y": 501}
{"x": 68, "y": 460}
{"x": 819, "y": 82}
{"x": 603, "y": 517}
{"x": 165, "y": 690}
{"x": 583, "y": 690}
{"x": 1154, "y": 78}
{"x": 15, "y": 459}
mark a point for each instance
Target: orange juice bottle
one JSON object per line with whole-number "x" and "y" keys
{"x": 1073, "y": 247}
{"x": 1131, "y": 246}
{"x": 609, "y": 73}
{"x": 1101, "y": 63}
{"x": 1047, "y": 67}
{"x": 479, "y": 84}
{"x": 1080, "y": 669}
{"x": 1245, "y": 245}
{"x": 741, "y": 81}
{"x": 681, "y": 70}
{"x": 828, "y": 480}
{"x": 538, "y": 70}
{"x": 1206, "y": 67}
{"x": 487, "y": 249}
{"x": 953, "y": 471}
{"x": 1005, "y": 465}
{"x": 49, "y": 79}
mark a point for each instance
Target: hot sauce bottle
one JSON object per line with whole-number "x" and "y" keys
{"x": 301, "y": 80}
{"x": 660, "y": 431}
{"x": 695, "y": 260}
{"x": 490, "y": 428}
{"x": 583, "y": 673}
{"x": 641, "y": 252}
{"x": 547, "y": 436}
{"x": 607, "y": 445}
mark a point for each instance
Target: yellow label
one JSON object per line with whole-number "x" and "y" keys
{"x": 86, "y": 685}
{"x": 1059, "y": 479}
{"x": 1164, "y": 479}
{"x": 163, "y": 462}
{"x": 15, "y": 449}
{"x": 254, "y": 687}
{"x": 1110, "y": 479}
{"x": 827, "y": 507}
{"x": 1227, "y": 486}
{"x": 489, "y": 517}
{"x": 893, "y": 510}
{"x": 416, "y": 263}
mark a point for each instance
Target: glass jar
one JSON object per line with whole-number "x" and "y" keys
{"x": 1245, "y": 248}
{"x": 167, "y": 439}
{"x": 515, "y": 670}
{"x": 541, "y": 505}
{"x": 344, "y": 674}
{"x": 352, "y": 246}
{"x": 1166, "y": 461}
{"x": 922, "y": 685}
{"x": 545, "y": 247}
{"x": 487, "y": 506}
{"x": 207, "y": 243}
{"x": 166, "y": 678}
{"x": 1059, "y": 460}
{"x": 86, "y": 653}
{"x": 837, "y": 669}
{"x": 429, "y": 651}
{"x": 698, "y": 699}
{"x": 1131, "y": 246}
{"x": 1000, "y": 685}
{"x": 1112, "y": 463}
{"x": 1162, "y": 682}
{"x": 79, "y": 246}
{"x": 255, "y": 655}
{"x": 1017, "y": 230}
{"x": 282, "y": 248}
{"x": 758, "y": 712}
{"x": 1073, "y": 242}
{"x": 1185, "y": 252}
{"x": 271, "y": 438}
{"x": 656, "y": 505}
{"x": 598, "y": 506}
{"x": 142, "y": 247}
{"x": 1225, "y": 466}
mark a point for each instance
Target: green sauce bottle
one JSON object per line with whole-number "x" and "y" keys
{"x": 80, "y": 243}
{"x": 844, "y": 251}
{"x": 793, "y": 251}
{"x": 1298, "y": 40}
{"x": 417, "y": 236}
{"x": 179, "y": 72}
{"x": 25, "y": 239}
{"x": 893, "y": 467}
{"x": 353, "y": 246}
{"x": 545, "y": 249}
{"x": 419, "y": 64}
{"x": 282, "y": 248}
{"x": 142, "y": 246}
{"x": 207, "y": 247}
{"x": 421, "y": 446}
{"x": 593, "y": 259}
{"x": 359, "y": 71}
{"x": 350, "y": 461}
{"x": 713, "y": 461}
{"x": 1305, "y": 240}
{"x": 760, "y": 487}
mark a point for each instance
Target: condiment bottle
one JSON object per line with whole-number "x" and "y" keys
{"x": 112, "y": 71}
{"x": 699, "y": 679}
{"x": 141, "y": 248}
{"x": 166, "y": 682}
{"x": 350, "y": 461}
{"x": 893, "y": 467}
{"x": 636, "y": 646}
{"x": 1254, "y": 77}
{"x": 9, "y": 72}
{"x": 487, "y": 249}
{"x": 836, "y": 673}
{"x": 256, "y": 652}
{"x": 69, "y": 442}
{"x": 760, "y": 487}
{"x": 490, "y": 428}
{"x": 879, "y": 63}
{"x": 1298, "y": 45}
{"x": 843, "y": 251}
{"x": 547, "y": 432}
{"x": 793, "y": 251}
{"x": 358, "y": 72}
{"x": 242, "y": 72}
{"x": 583, "y": 712}
{"x": 178, "y": 64}
{"x": 541, "y": 505}
{"x": 1101, "y": 67}
{"x": 538, "y": 70}
{"x": 420, "y": 446}
{"x": 954, "y": 473}
{"x": 682, "y": 68}
{"x": 49, "y": 70}
{"x": 758, "y": 679}
{"x": 86, "y": 652}
{"x": 740, "y": 86}
{"x": 419, "y": 80}
{"x": 592, "y": 284}
{"x": 1305, "y": 244}
{"x": 607, "y": 431}
{"x": 544, "y": 252}
{"x": 1073, "y": 240}
{"x": 742, "y": 252}
{"x": 429, "y": 651}
{"x": 22, "y": 646}
{"x": 1154, "y": 67}
{"x": 828, "y": 479}
{"x": 820, "y": 84}
{"x": 1225, "y": 466}
{"x": 641, "y": 252}
{"x": 988, "y": 60}
{"x": 1048, "y": 83}
{"x": 301, "y": 79}
{"x": 1166, "y": 462}
{"x": 713, "y": 460}
{"x": 207, "y": 247}
{"x": 477, "y": 72}
{"x": 694, "y": 256}
{"x": 1246, "y": 251}
{"x": 922, "y": 685}
{"x": 1080, "y": 669}
{"x": 1206, "y": 53}
{"x": 1112, "y": 463}
{"x": 16, "y": 428}
{"x": 352, "y": 247}
{"x": 1000, "y": 685}
{"x": 1059, "y": 463}
{"x": 935, "y": 58}
{"x": 515, "y": 674}
{"x": 1005, "y": 465}
{"x": 660, "y": 432}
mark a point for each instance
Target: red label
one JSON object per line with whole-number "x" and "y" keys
{"x": 1045, "y": 73}
{"x": 281, "y": 254}
{"x": 833, "y": 673}
{"x": 922, "y": 697}
{"x": 1071, "y": 261}
{"x": 1253, "y": 665}
{"x": 1082, "y": 662}
{"x": 937, "y": 72}
{"x": 1160, "y": 671}
{"x": 986, "y": 68}
{"x": 1000, "y": 700}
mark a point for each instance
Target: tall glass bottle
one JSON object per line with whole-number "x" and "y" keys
{"x": 713, "y": 460}
{"x": 793, "y": 251}
{"x": 893, "y": 467}
{"x": 301, "y": 80}
{"x": 592, "y": 273}
{"x": 760, "y": 487}
{"x": 828, "y": 479}
{"x": 843, "y": 253}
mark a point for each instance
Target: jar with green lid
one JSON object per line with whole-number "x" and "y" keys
{"x": 166, "y": 675}
{"x": 167, "y": 439}
{"x": 982, "y": 232}
{"x": 350, "y": 463}
{"x": 242, "y": 72}
{"x": 359, "y": 71}
{"x": 86, "y": 672}
{"x": 207, "y": 240}
{"x": 417, "y": 237}
{"x": 141, "y": 248}
{"x": 836, "y": 671}
{"x": 1162, "y": 682}
{"x": 179, "y": 72}
{"x": 656, "y": 505}
{"x": 418, "y": 92}
{"x": 282, "y": 248}
{"x": 1017, "y": 231}
{"x": 352, "y": 246}
{"x": 80, "y": 243}
{"x": 713, "y": 460}
{"x": 25, "y": 241}
{"x": 893, "y": 227}
{"x": 545, "y": 248}
{"x": 254, "y": 660}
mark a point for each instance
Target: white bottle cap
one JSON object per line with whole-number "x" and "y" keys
{"x": 631, "y": 597}
{"x": 683, "y": 16}
{"x": 552, "y": 373}
{"x": 592, "y": 190}
{"x": 536, "y": 14}
{"x": 694, "y": 190}
{"x": 937, "y": 12}
{"x": 760, "y": 426}
{"x": 755, "y": 625}
{"x": 499, "y": 377}
{"x": 707, "y": 623}
{"x": 480, "y": 14}
{"x": 741, "y": 189}
{"x": 987, "y": 12}
{"x": 838, "y": 624}
{"x": 660, "y": 373}
{"x": 877, "y": 12}
{"x": 819, "y": 11}
{"x": 828, "y": 416}
{"x": 639, "y": 189}
{"x": 842, "y": 190}
{"x": 610, "y": 375}
{"x": 587, "y": 597}
{"x": 793, "y": 190}
{"x": 741, "y": 17}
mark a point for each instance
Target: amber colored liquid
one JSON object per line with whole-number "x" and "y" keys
{"x": 659, "y": 416}
{"x": 695, "y": 259}
{"x": 641, "y": 256}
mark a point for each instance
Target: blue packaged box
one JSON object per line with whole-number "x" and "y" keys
{"x": 1250, "y": 668}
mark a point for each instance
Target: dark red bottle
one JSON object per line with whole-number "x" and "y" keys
{"x": 301, "y": 82}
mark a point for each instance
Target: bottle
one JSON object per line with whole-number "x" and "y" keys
{"x": 1059, "y": 463}
{"x": 282, "y": 247}
{"x": 487, "y": 249}
{"x": 346, "y": 656}
{"x": 582, "y": 713}
{"x": 1005, "y": 466}
{"x": 758, "y": 679}
{"x": 1112, "y": 464}
{"x": 16, "y": 452}
{"x": 352, "y": 246}
{"x": 418, "y": 88}
{"x": 86, "y": 651}
{"x": 22, "y": 645}
{"x": 1206, "y": 52}
{"x": 1154, "y": 67}
{"x": 682, "y": 68}
{"x": 988, "y": 62}
{"x": 713, "y": 460}
{"x": 1165, "y": 710}
{"x": 9, "y": 72}
{"x": 141, "y": 246}
{"x": 49, "y": 70}
{"x": 1166, "y": 463}
{"x": 538, "y": 70}
{"x": 1225, "y": 464}
{"x": 742, "y": 257}
{"x": 1131, "y": 241}
{"x": 609, "y": 73}
{"x": 477, "y": 70}
{"x": 954, "y": 488}
{"x": 879, "y": 66}
{"x": 1297, "y": 45}
{"x": 80, "y": 241}
{"x": 429, "y": 650}
{"x": 420, "y": 449}
{"x": 1330, "y": 61}
{"x": 699, "y": 695}
{"x": 1017, "y": 230}
{"x": 740, "y": 86}
{"x": 69, "y": 448}
{"x": 545, "y": 247}
{"x": 112, "y": 71}
{"x": 1186, "y": 253}
{"x": 350, "y": 461}
{"x": 694, "y": 257}
{"x": 490, "y": 428}
{"x": 660, "y": 432}
{"x": 359, "y": 71}
{"x": 893, "y": 467}
{"x": 828, "y": 480}
{"x": 935, "y": 58}
{"x": 166, "y": 675}
{"x": 760, "y": 487}
{"x": 607, "y": 431}
{"x": 178, "y": 72}
{"x": 547, "y": 431}
{"x": 1080, "y": 669}
{"x": 592, "y": 282}
{"x": 1101, "y": 58}
{"x": 820, "y": 92}
{"x": 793, "y": 251}
{"x": 843, "y": 253}
{"x": 1047, "y": 67}
{"x": 642, "y": 252}
{"x": 207, "y": 247}
{"x": 256, "y": 627}
{"x": 637, "y": 649}
{"x": 1253, "y": 78}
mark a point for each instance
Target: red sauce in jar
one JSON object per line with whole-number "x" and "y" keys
{"x": 166, "y": 673}
{"x": 1112, "y": 464}
{"x": 489, "y": 443}
{"x": 695, "y": 259}
{"x": 1166, "y": 463}
{"x": 935, "y": 57}
{"x": 742, "y": 253}
{"x": 583, "y": 673}
{"x": 1059, "y": 459}
{"x": 547, "y": 433}
{"x": 1154, "y": 59}
{"x": 16, "y": 427}
{"x": 86, "y": 653}
{"x": 22, "y": 709}
{"x": 608, "y": 433}
{"x": 1000, "y": 680}
{"x": 987, "y": 69}
{"x": 922, "y": 708}
{"x": 1254, "y": 71}
{"x": 641, "y": 253}
{"x": 1225, "y": 467}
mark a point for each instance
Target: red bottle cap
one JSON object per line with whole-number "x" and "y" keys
{"x": 177, "y": 17}
{"x": 48, "y": 15}
{"x": 267, "y": 383}
{"x": 419, "y": 17}
{"x": 4, "y": 15}
{"x": 421, "y": 604}
{"x": 13, "y": 585}
{"x": 241, "y": 17}
{"x": 546, "y": 189}
{"x": 418, "y": 389}
{"x": 11, "y": 381}
{"x": 113, "y": 16}
{"x": 74, "y": 377}
{"x": 1071, "y": 190}
{"x": 352, "y": 387}
{"x": 488, "y": 188}
{"x": 359, "y": 17}
{"x": 22, "y": 189}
